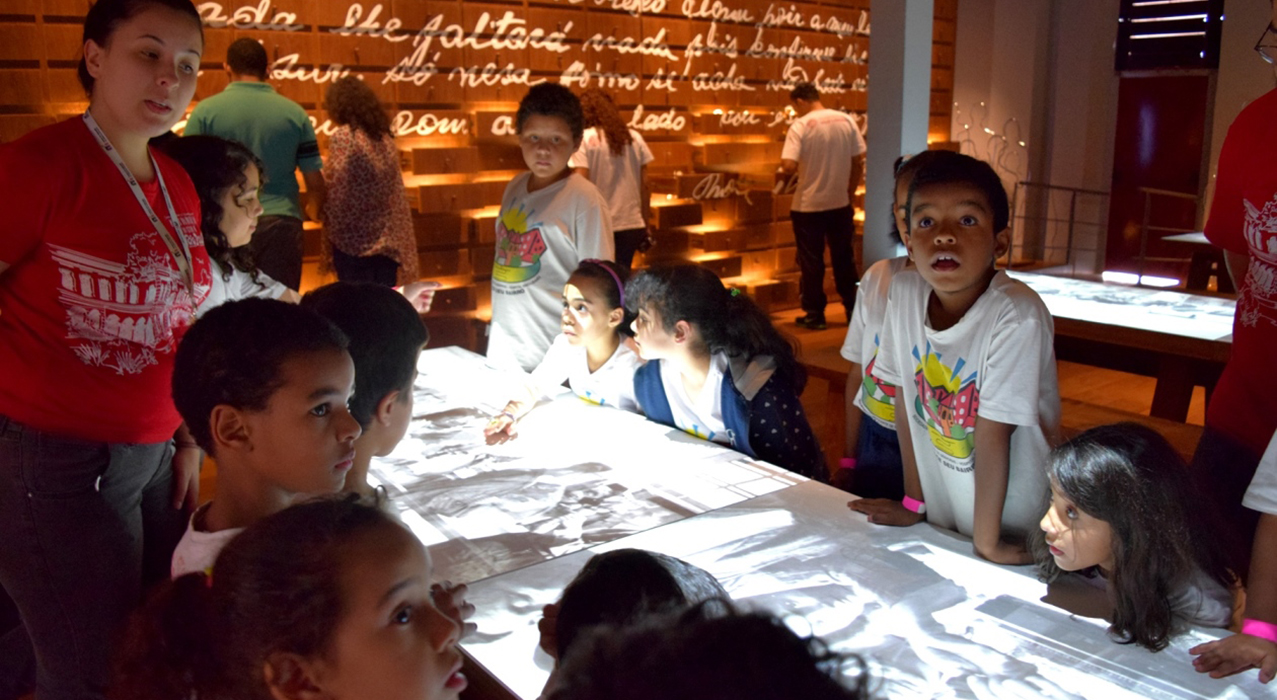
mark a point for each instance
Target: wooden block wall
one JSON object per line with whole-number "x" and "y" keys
{"x": 705, "y": 81}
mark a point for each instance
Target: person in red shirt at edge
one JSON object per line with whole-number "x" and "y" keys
{"x": 1242, "y": 413}
{"x": 101, "y": 267}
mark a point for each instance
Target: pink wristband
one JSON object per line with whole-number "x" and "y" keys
{"x": 847, "y": 463}
{"x": 914, "y": 505}
{"x": 1261, "y": 629}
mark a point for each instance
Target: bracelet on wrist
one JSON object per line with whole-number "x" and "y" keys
{"x": 1261, "y": 629}
{"x": 184, "y": 444}
{"x": 914, "y": 505}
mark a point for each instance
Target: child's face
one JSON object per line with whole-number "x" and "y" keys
{"x": 951, "y": 238}
{"x": 145, "y": 74}
{"x": 547, "y": 145}
{"x": 240, "y": 209}
{"x": 392, "y": 643}
{"x": 304, "y": 441}
{"x": 654, "y": 342}
{"x": 586, "y": 316}
{"x": 1077, "y": 539}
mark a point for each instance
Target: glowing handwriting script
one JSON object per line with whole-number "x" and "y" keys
{"x": 716, "y": 10}
{"x": 577, "y": 74}
{"x": 370, "y": 26}
{"x": 285, "y": 68}
{"x": 634, "y": 7}
{"x": 841, "y": 28}
{"x": 715, "y": 186}
{"x": 490, "y": 75}
{"x": 404, "y": 124}
{"x": 248, "y": 17}
{"x": 670, "y": 120}
{"x": 648, "y": 46}
{"x": 781, "y": 17}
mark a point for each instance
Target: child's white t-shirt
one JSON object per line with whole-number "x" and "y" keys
{"x": 198, "y": 550}
{"x": 997, "y": 362}
{"x": 239, "y": 286}
{"x": 874, "y": 397}
{"x": 1262, "y": 494}
{"x": 702, "y": 415}
{"x": 620, "y": 177}
{"x": 541, "y": 237}
{"x": 609, "y": 385}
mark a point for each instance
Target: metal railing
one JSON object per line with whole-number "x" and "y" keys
{"x": 1053, "y": 226}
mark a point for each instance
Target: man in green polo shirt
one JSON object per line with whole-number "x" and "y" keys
{"x": 280, "y": 133}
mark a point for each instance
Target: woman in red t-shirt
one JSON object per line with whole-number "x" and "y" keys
{"x": 101, "y": 267}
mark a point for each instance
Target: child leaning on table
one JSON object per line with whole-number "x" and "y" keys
{"x": 386, "y": 338}
{"x": 550, "y": 221}
{"x": 1123, "y": 514}
{"x": 872, "y": 467}
{"x": 592, "y": 354}
{"x": 972, "y": 353}
{"x": 327, "y": 599}
{"x": 717, "y": 368}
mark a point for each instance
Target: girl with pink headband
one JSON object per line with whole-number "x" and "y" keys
{"x": 592, "y": 354}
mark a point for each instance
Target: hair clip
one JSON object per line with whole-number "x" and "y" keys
{"x": 208, "y": 578}
{"x": 735, "y": 291}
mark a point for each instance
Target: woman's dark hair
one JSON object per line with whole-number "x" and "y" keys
{"x": 728, "y": 321}
{"x": 105, "y": 16}
{"x": 349, "y": 102}
{"x": 276, "y": 588}
{"x": 625, "y": 586}
{"x": 960, "y": 169}
{"x": 386, "y": 336}
{"x": 1128, "y": 476}
{"x": 215, "y": 166}
{"x": 709, "y": 652}
{"x": 600, "y": 112}
{"x": 612, "y": 286}
{"x": 551, "y": 100}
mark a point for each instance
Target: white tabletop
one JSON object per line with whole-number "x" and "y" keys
{"x": 1159, "y": 311}
{"x": 516, "y": 522}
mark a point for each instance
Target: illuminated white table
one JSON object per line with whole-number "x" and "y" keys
{"x": 1182, "y": 339}
{"x": 933, "y": 621}
{"x": 578, "y": 475}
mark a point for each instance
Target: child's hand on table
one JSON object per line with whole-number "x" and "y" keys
{"x": 1240, "y": 652}
{"x": 546, "y": 626}
{"x": 1004, "y": 553}
{"x": 420, "y": 293}
{"x": 500, "y": 429}
{"x": 451, "y": 601}
{"x": 884, "y": 511}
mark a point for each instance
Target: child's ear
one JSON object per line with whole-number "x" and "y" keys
{"x": 228, "y": 428}
{"x": 290, "y": 677}
{"x": 385, "y": 407}
{"x": 682, "y": 331}
{"x": 614, "y": 317}
{"x": 1001, "y": 242}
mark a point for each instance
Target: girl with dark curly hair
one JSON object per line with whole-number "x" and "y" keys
{"x": 227, "y": 178}
{"x": 614, "y": 157}
{"x": 367, "y": 225}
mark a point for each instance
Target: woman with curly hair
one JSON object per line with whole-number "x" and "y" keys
{"x": 367, "y": 225}
{"x": 614, "y": 157}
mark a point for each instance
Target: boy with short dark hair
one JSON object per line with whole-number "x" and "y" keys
{"x": 972, "y": 353}
{"x": 263, "y": 386}
{"x": 550, "y": 221}
{"x": 386, "y": 337}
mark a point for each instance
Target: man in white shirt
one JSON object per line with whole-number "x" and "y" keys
{"x": 825, "y": 148}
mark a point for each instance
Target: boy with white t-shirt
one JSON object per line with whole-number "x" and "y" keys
{"x": 971, "y": 351}
{"x": 550, "y": 221}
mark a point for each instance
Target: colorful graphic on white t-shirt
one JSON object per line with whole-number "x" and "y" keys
{"x": 878, "y": 396}
{"x": 947, "y": 402}
{"x": 519, "y": 247}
